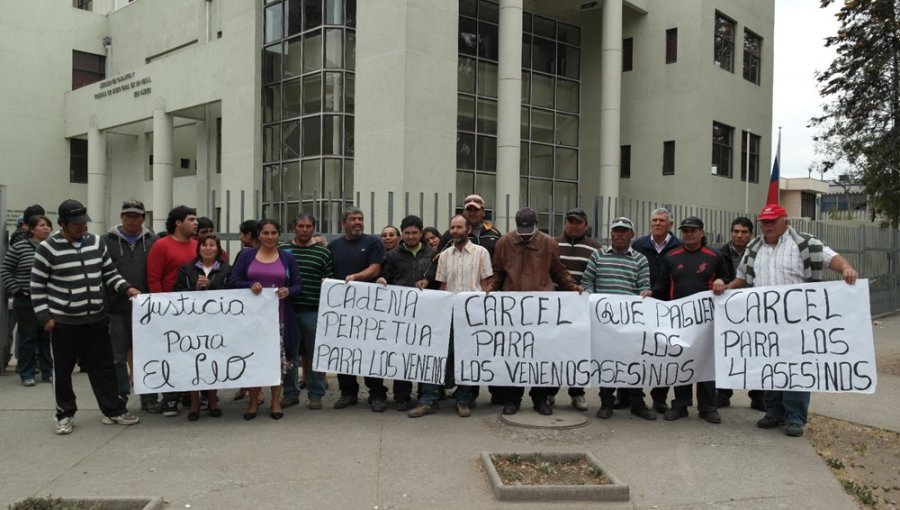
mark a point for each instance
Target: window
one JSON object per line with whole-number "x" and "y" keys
{"x": 78, "y": 156}
{"x": 85, "y": 5}
{"x": 627, "y": 54}
{"x": 752, "y": 56}
{"x": 87, "y": 68}
{"x": 625, "y": 161}
{"x": 724, "y": 43}
{"x": 669, "y": 157}
{"x": 671, "y": 46}
{"x": 721, "y": 149}
{"x": 754, "y": 157}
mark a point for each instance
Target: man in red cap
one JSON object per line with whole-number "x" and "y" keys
{"x": 782, "y": 256}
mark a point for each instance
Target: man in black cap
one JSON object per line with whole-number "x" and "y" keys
{"x": 526, "y": 259}
{"x": 575, "y": 251}
{"x": 70, "y": 270}
{"x": 687, "y": 270}
{"x": 128, "y": 243}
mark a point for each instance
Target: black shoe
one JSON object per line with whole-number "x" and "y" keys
{"x": 250, "y": 416}
{"x": 543, "y": 407}
{"x": 510, "y": 408}
{"x": 215, "y": 413}
{"x": 605, "y": 413}
{"x": 676, "y": 413}
{"x": 170, "y": 408}
{"x": 769, "y": 422}
{"x": 643, "y": 412}
{"x": 378, "y": 405}
{"x": 711, "y": 416}
{"x": 346, "y": 401}
{"x": 621, "y": 404}
{"x": 793, "y": 430}
{"x": 758, "y": 404}
{"x": 660, "y": 407}
{"x": 723, "y": 401}
{"x": 193, "y": 415}
{"x": 403, "y": 405}
{"x": 276, "y": 416}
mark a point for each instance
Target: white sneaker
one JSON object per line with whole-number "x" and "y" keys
{"x": 64, "y": 426}
{"x": 122, "y": 419}
{"x": 579, "y": 403}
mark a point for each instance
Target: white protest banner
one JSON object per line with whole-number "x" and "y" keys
{"x": 188, "y": 341}
{"x": 805, "y": 337}
{"x": 647, "y": 342}
{"x": 382, "y": 331}
{"x": 521, "y": 339}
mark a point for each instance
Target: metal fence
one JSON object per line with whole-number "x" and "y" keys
{"x": 873, "y": 251}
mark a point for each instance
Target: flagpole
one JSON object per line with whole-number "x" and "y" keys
{"x": 747, "y": 177}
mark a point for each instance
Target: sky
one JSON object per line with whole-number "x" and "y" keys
{"x": 800, "y": 30}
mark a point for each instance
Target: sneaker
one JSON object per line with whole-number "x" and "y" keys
{"x": 289, "y": 400}
{"x": 378, "y": 405}
{"x": 769, "y": 422}
{"x": 643, "y": 412}
{"x": 605, "y": 413}
{"x": 28, "y": 382}
{"x": 64, "y": 426}
{"x": 314, "y": 404}
{"x": 152, "y": 406}
{"x": 122, "y": 419}
{"x": 421, "y": 410}
{"x": 463, "y": 410}
{"x": 170, "y": 408}
{"x": 579, "y": 403}
{"x": 676, "y": 413}
{"x": 346, "y": 401}
{"x": 711, "y": 417}
{"x": 793, "y": 430}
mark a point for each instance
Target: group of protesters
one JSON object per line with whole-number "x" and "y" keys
{"x": 71, "y": 293}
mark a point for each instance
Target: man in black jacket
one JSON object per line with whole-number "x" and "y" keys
{"x": 128, "y": 243}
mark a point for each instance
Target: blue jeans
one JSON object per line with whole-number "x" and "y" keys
{"x": 790, "y": 406}
{"x": 315, "y": 381}
{"x": 429, "y": 394}
{"x": 31, "y": 341}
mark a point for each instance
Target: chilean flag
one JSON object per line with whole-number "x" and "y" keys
{"x": 775, "y": 182}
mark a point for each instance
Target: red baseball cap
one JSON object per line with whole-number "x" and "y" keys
{"x": 772, "y": 212}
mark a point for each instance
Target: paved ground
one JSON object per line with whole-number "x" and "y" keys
{"x": 355, "y": 459}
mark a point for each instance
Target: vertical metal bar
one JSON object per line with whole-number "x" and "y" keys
{"x": 437, "y": 223}
{"x": 422, "y": 205}
{"x": 390, "y": 218}
{"x": 372, "y": 211}
{"x": 405, "y": 204}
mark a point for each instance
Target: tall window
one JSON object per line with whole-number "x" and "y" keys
{"x": 627, "y": 54}
{"x": 722, "y": 137}
{"x": 551, "y": 64}
{"x": 78, "y": 155}
{"x": 308, "y": 78}
{"x": 754, "y": 157}
{"x": 668, "y": 157}
{"x": 752, "y": 56}
{"x": 87, "y": 68}
{"x": 724, "y": 42}
{"x": 625, "y": 161}
{"x": 671, "y": 46}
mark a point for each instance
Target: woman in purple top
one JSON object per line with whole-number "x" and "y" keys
{"x": 269, "y": 267}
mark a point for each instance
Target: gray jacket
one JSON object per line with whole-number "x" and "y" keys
{"x": 131, "y": 262}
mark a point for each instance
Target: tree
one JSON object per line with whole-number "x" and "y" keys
{"x": 860, "y": 125}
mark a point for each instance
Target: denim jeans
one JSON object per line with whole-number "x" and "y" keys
{"x": 31, "y": 341}
{"x": 315, "y": 381}
{"x": 790, "y": 406}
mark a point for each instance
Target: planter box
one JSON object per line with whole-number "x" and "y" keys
{"x": 615, "y": 491}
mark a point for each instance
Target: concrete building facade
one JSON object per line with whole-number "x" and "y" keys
{"x": 249, "y": 108}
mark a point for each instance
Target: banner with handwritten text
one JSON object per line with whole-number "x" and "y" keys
{"x": 383, "y": 331}
{"x": 809, "y": 337}
{"x": 521, "y": 339}
{"x": 185, "y": 341}
{"x": 647, "y": 342}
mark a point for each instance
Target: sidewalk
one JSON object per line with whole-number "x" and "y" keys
{"x": 356, "y": 459}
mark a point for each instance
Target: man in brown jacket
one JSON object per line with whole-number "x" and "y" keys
{"x": 527, "y": 259}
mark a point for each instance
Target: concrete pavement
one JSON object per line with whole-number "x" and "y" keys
{"x": 356, "y": 459}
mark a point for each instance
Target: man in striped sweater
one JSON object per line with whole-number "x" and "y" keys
{"x": 67, "y": 279}
{"x": 619, "y": 269}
